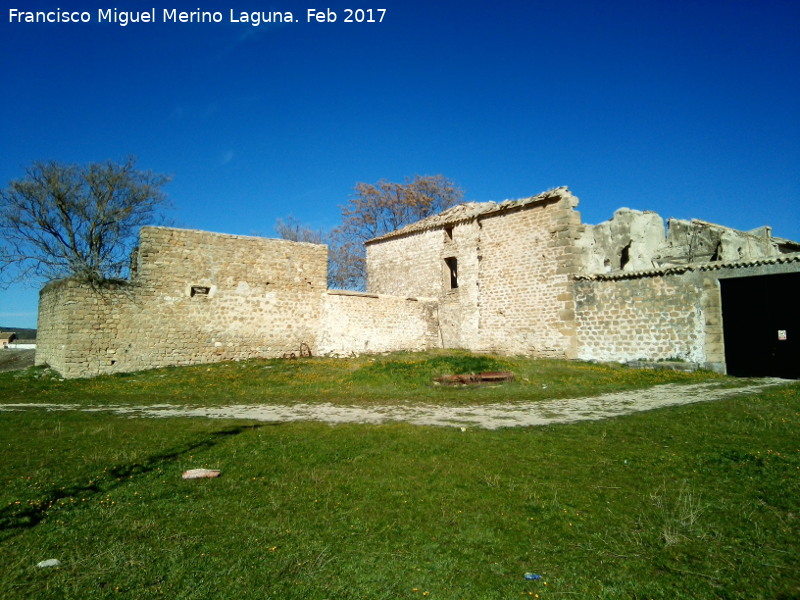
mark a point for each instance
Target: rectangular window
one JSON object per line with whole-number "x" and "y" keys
{"x": 452, "y": 267}
{"x": 200, "y": 290}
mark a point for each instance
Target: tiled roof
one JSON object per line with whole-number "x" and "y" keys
{"x": 706, "y": 266}
{"x": 472, "y": 210}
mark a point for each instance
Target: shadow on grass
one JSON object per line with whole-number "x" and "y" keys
{"x": 19, "y": 517}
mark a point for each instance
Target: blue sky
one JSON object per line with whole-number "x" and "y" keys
{"x": 691, "y": 109}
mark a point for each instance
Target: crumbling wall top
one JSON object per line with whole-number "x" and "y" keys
{"x": 469, "y": 211}
{"x": 638, "y": 241}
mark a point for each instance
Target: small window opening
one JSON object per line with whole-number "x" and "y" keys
{"x": 452, "y": 266}
{"x": 625, "y": 256}
{"x": 717, "y": 252}
{"x": 448, "y": 232}
{"x": 200, "y": 290}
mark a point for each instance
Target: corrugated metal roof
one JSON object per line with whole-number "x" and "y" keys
{"x": 472, "y": 210}
{"x": 706, "y": 266}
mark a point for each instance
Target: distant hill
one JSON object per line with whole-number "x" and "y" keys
{"x": 22, "y": 333}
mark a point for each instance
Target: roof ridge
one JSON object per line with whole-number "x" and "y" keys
{"x": 467, "y": 211}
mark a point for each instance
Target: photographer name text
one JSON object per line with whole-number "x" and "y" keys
{"x": 124, "y": 18}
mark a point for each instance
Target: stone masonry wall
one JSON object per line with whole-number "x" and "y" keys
{"x": 407, "y": 266}
{"x": 194, "y": 297}
{"x": 420, "y": 263}
{"x": 675, "y": 314}
{"x": 354, "y": 323}
{"x": 527, "y": 260}
{"x": 652, "y": 318}
{"x": 459, "y": 310}
{"x": 509, "y": 278}
{"x": 264, "y": 295}
{"x": 52, "y": 326}
{"x": 78, "y": 326}
{"x": 513, "y": 288}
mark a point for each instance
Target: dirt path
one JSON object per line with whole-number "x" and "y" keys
{"x": 490, "y": 416}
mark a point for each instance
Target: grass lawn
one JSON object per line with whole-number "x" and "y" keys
{"x": 396, "y": 378}
{"x": 700, "y": 501}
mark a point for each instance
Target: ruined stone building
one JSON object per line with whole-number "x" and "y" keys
{"x": 521, "y": 277}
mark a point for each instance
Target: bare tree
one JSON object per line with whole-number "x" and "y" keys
{"x": 375, "y": 210}
{"x": 294, "y": 230}
{"x": 66, "y": 220}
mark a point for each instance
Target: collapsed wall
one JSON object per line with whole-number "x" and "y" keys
{"x": 634, "y": 240}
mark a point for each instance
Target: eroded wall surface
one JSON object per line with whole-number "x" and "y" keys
{"x": 697, "y": 241}
{"x": 354, "y": 323}
{"x": 634, "y": 240}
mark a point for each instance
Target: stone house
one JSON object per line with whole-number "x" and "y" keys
{"x": 518, "y": 277}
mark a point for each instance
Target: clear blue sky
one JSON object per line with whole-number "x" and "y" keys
{"x": 688, "y": 108}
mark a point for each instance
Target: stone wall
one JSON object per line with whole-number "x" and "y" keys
{"x": 527, "y": 262}
{"x": 79, "y": 326}
{"x": 194, "y": 297}
{"x": 673, "y": 313}
{"x": 221, "y": 297}
{"x": 440, "y": 263}
{"x": 198, "y": 297}
{"x": 502, "y": 273}
{"x": 53, "y": 325}
{"x": 516, "y": 277}
{"x": 408, "y": 266}
{"x": 652, "y": 318}
{"x": 355, "y": 323}
{"x": 459, "y": 291}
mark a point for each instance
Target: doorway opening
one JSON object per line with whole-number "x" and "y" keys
{"x": 761, "y": 325}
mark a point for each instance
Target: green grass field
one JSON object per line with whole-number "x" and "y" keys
{"x": 700, "y": 501}
{"x": 389, "y": 379}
